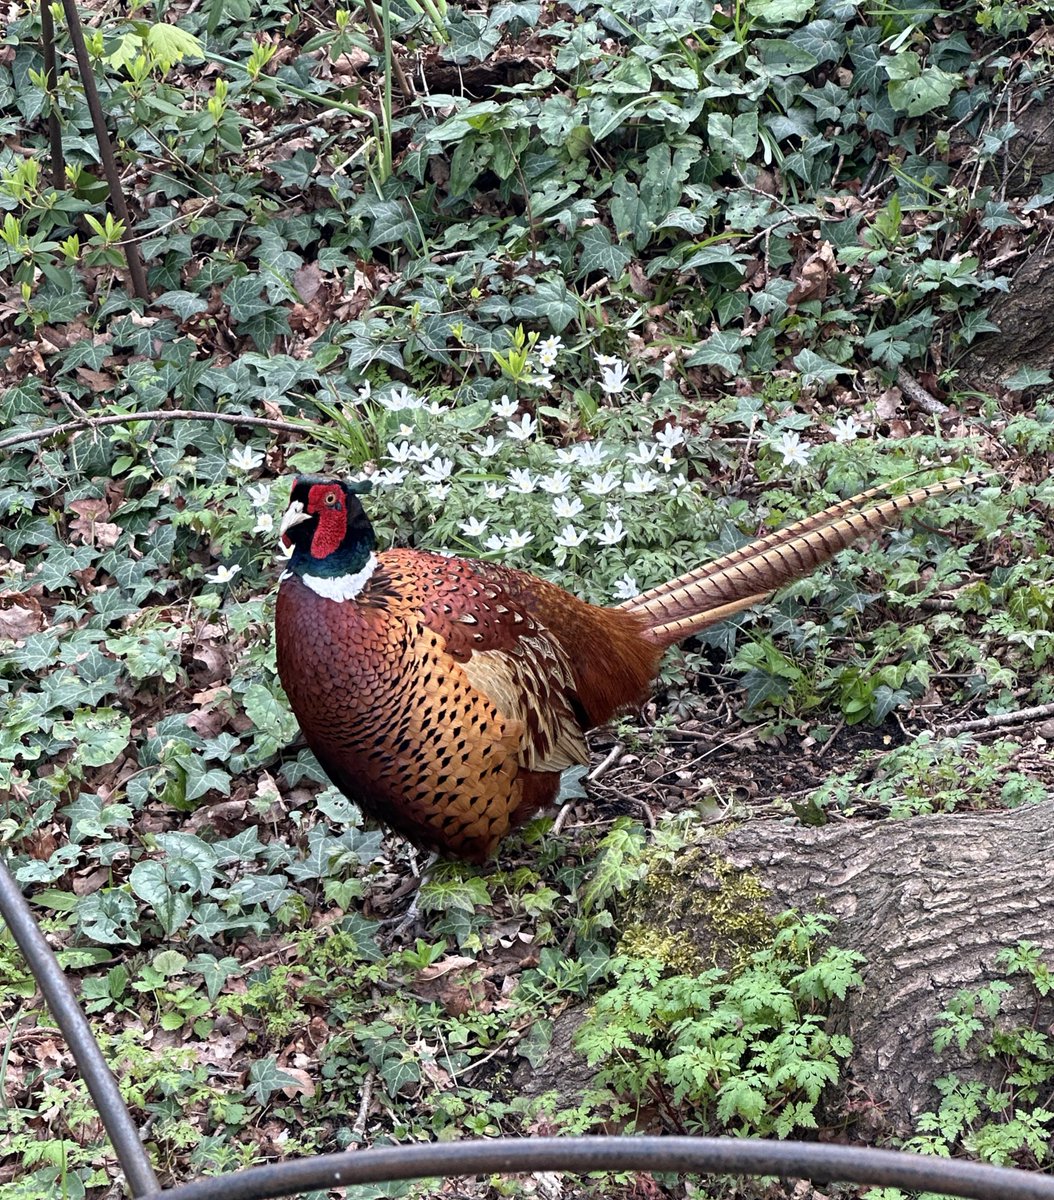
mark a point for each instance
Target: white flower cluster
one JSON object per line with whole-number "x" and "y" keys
{"x": 589, "y": 493}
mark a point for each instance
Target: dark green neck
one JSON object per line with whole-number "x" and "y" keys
{"x": 348, "y": 559}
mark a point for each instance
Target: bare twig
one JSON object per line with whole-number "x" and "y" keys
{"x": 359, "y": 1128}
{"x": 47, "y": 39}
{"x": 916, "y": 392}
{"x": 136, "y": 270}
{"x": 400, "y": 75}
{"x": 159, "y": 414}
{"x": 605, "y": 766}
{"x": 503, "y": 1047}
{"x": 561, "y": 818}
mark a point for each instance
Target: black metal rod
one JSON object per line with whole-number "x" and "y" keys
{"x": 75, "y": 1029}
{"x": 721, "y": 1156}
{"x": 47, "y": 45}
{"x": 109, "y": 161}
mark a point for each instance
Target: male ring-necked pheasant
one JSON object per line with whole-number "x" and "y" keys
{"x": 445, "y": 695}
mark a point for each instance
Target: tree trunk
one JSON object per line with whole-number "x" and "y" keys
{"x": 928, "y": 902}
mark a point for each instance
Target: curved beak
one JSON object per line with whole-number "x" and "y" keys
{"x": 294, "y": 515}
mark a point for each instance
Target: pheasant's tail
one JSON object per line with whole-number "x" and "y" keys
{"x": 720, "y": 589}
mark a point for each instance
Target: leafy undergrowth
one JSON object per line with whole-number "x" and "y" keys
{"x": 607, "y": 290}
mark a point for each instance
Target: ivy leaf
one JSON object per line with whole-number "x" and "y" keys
{"x": 535, "y": 1046}
{"x": 109, "y": 916}
{"x": 399, "y": 1071}
{"x": 618, "y": 865}
{"x": 265, "y": 326}
{"x": 916, "y": 90}
{"x": 243, "y": 296}
{"x": 324, "y": 855}
{"x": 815, "y": 369}
{"x": 215, "y": 971}
{"x": 266, "y": 1078}
{"x": 169, "y": 887}
{"x": 275, "y": 724}
{"x": 824, "y": 40}
{"x": 558, "y": 116}
{"x": 599, "y": 254}
{"x": 779, "y": 12}
{"x": 391, "y": 222}
{"x": 444, "y": 895}
{"x": 713, "y": 254}
{"x": 99, "y": 734}
{"x": 571, "y": 785}
{"x": 868, "y": 64}
{"x": 471, "y": 37}
{"x": 550, "y": 300}
{"x": 516, "y": 14}
{"x": 885, "y": 700}
{"x": 1028, "y": 377}
{"x": 297, "y": 171}
{"x": 722, "y": 350}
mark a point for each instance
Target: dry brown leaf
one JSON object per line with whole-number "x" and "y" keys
{"x": 98, "y": 381}
{"x": 20, "y": 615}
{"x": 813, "y": 276}
{"x": 887, "y": 405}
{"x": 350, "y": 63}
{"x": 90, "y": 525}
{"x": 216, "y": 816}
{"x": 455, "y": 962}
{"x": 267, "y": 792}
{"x": 307, "y": 280}
{"x": 41, "y": 844}
{"x": 434, "y": 1073}
{"x": 85, "y": 885}
{"x": 90, "y": 509}
{"x": 304, "y": 1086}
{"x": 219, "y": 1051}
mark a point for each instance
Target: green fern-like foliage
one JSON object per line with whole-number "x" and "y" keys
{"x": 743, "y": 1053}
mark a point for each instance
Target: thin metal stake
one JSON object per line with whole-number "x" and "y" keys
{"x": 75, "y": 1029}
{"x": 109, "y": 162}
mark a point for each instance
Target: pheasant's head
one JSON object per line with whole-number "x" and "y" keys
{"x": 329, "y": 535}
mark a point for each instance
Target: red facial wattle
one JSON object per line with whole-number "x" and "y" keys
{"x": 327, "y": 502}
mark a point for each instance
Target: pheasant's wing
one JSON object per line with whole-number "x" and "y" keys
{"x": 493, "y": 630}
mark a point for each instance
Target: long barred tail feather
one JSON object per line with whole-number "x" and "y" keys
{"x": 736, "y": 581}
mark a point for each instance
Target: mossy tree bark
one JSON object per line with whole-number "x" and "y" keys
{"x": 929, "y": 902}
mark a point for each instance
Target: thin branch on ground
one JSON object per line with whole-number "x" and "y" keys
{"x": 1018, "y": 717}
{"x": 918, "y": 394}
{"x": 359, "y": 1128}
{"x": 602, "y": 768}
{"x": 160, "y": 414}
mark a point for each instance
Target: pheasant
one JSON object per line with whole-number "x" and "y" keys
{"x": 445, "y": 695}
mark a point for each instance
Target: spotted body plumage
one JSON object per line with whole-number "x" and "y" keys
{"x": 441, "y": 698}
{"x": 445, "y": 695}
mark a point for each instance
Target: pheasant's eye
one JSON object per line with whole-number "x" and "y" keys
{"x": 331, "y": 499}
